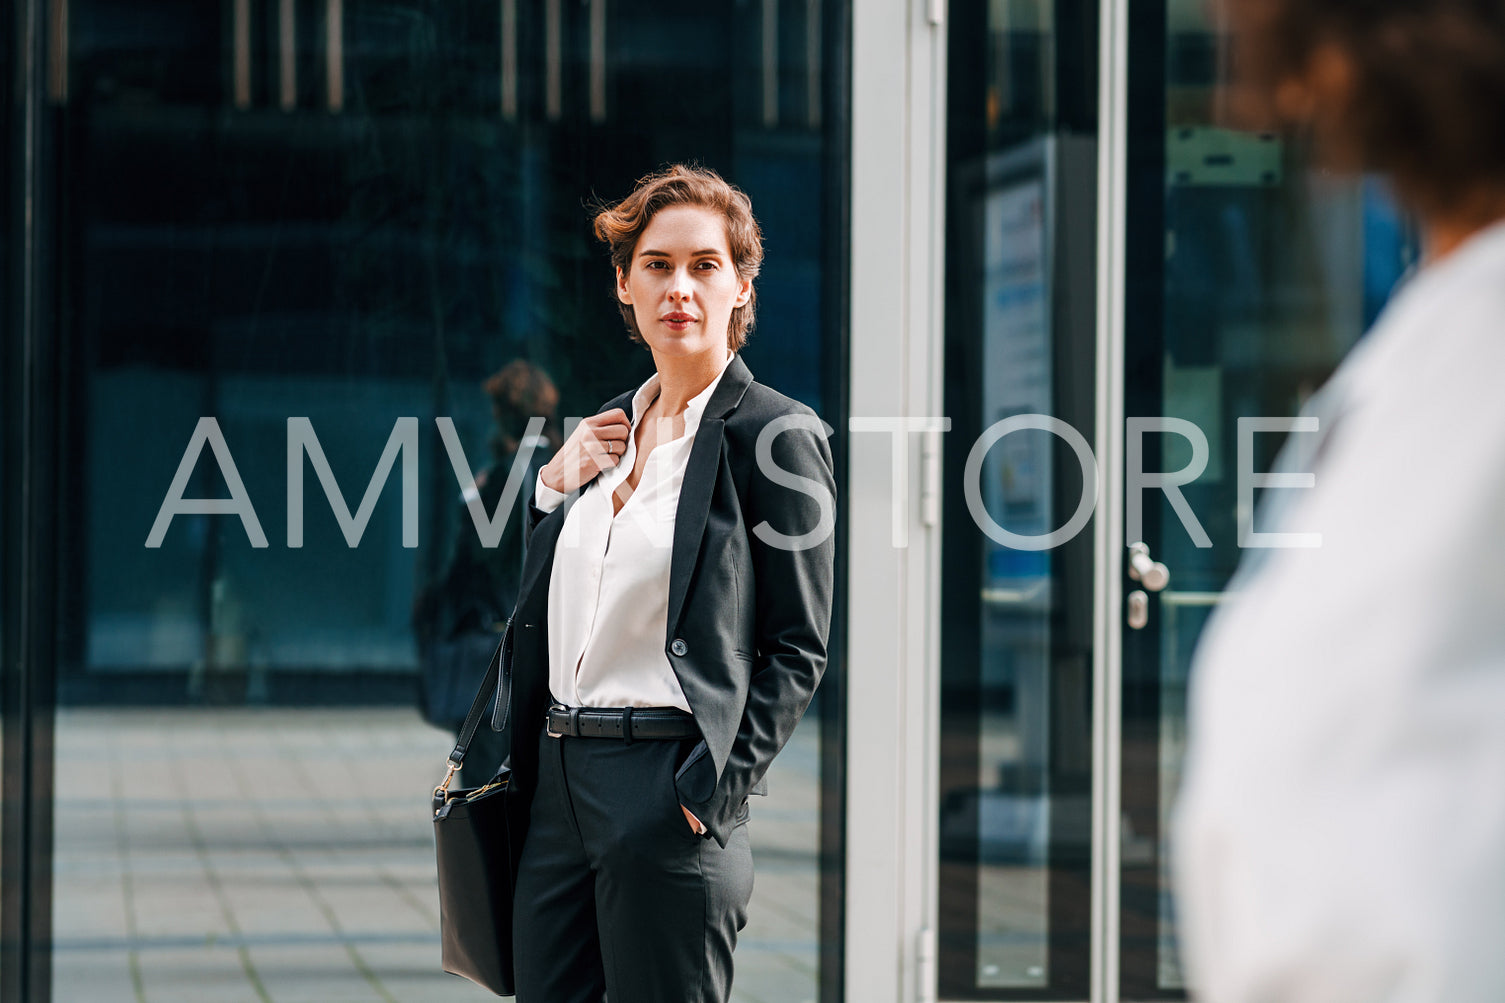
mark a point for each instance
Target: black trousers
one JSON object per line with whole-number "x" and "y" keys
{"x": 615, "y": 894}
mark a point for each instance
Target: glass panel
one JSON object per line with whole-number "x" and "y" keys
{"x": 345, "y": 219}
{"x": 1250, "y": 275}
{"x": 1016, "y": 778}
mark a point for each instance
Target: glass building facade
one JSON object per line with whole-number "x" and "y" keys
{"x": 288, "y": 245}
{"x": 279, "y": 278}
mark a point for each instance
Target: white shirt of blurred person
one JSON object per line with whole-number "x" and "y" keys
{"x": 1340, "y": 834}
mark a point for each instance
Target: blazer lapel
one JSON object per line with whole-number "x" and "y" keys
{"x": 700, "y": 483}
{"x": 694, "y": 495}
{"x": 690, "y": 516}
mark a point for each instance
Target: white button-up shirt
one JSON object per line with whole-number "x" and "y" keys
{"x": 1340, "y": 835}
{"x": 609, "y": 590}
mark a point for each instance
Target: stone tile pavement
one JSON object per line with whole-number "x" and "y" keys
{"x": 286, "y": 855}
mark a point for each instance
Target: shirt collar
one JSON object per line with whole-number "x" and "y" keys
{"x": 694, "y": 408}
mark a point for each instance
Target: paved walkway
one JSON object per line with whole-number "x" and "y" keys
{"x": 287, "y": 855}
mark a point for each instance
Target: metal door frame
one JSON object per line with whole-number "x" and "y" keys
{"x": 1107, "y": 657}
{"x": 30, "y": 367}
{"x": 897, "y": 212}
{"x": 893, "y": 698}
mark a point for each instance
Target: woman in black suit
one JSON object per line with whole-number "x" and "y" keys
{"x": 671, "y": 626}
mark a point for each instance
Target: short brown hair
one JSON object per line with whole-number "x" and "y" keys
{"x": 619, "y": 226}
{"x": 1426, "y": 103}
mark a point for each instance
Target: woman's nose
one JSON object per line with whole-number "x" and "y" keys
{"x": 679, "y": 289}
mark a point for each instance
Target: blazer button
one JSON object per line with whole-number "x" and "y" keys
{"x": 679, "y": 647}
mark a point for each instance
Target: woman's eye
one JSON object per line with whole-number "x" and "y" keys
{"x": 658, "y": 264}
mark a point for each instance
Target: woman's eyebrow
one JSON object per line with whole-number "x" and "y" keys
{"x": 704, "y": 251}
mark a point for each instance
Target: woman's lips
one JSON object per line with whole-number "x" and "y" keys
{"x": 678, "y": 321}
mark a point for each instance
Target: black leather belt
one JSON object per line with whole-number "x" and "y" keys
{"x": 627, "y": 724}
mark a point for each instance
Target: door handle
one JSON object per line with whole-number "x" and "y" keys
{"x": 1145, "y": 570}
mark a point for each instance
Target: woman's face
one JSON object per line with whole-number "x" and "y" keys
{"x": 682, "y": 286}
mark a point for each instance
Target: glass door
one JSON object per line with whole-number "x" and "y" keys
{"x": 1015, "y": 784}
{"x": 1249, "y": 274}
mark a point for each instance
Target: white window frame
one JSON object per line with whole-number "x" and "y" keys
{"x": 897, "y": 241}
{"x": 896, "y": 369}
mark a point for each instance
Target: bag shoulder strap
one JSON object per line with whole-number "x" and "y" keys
{"x": 483, "y": 697}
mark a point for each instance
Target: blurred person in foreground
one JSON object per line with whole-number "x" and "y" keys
{"x": 1340, "y": 836}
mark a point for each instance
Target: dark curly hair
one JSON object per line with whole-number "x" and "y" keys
{"x": 619, "y": 226}
{"x": 1414, "y": 89}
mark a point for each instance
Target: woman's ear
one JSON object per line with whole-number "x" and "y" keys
{"x": 744, "y": 292}
{"x": 623, "y": 293}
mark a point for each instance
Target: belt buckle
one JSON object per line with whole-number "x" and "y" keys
{"x": 548, "y": 721}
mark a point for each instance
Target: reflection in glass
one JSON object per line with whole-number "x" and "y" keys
{"x": 1014, "y": 816}
{"x": 1016, "y": 639}
{"x": 351, "y": 214}
{"x": 1250, "y": 274}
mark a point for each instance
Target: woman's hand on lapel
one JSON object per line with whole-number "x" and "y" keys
{"x": 597, "y": 444}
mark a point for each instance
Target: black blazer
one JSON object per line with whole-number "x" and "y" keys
{"x": 748, "y": 620}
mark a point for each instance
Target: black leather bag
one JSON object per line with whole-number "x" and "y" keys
{"x": 476, "y": 855}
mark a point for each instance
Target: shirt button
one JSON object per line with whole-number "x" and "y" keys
{"x": 679, "y": 647}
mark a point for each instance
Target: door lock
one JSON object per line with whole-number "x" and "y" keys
{"x": 1138, "y": 615}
